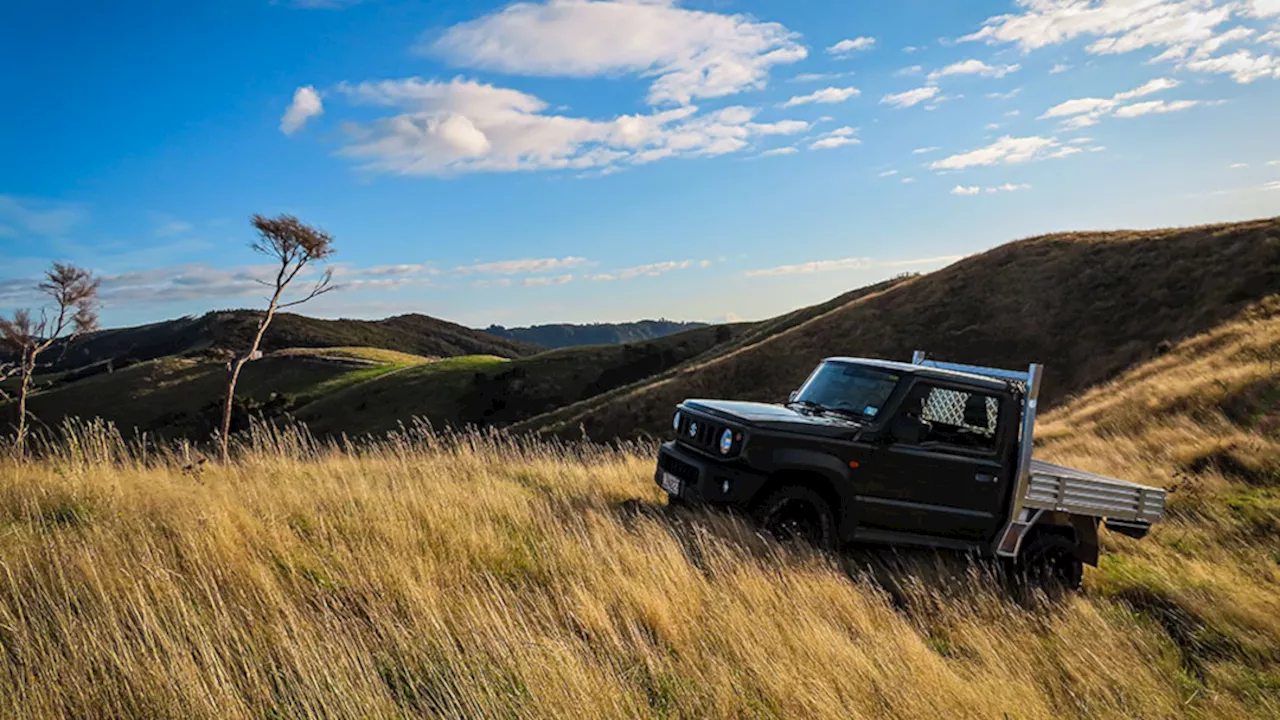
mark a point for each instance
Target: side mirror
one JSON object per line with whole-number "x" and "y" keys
{"x": 907, "y": 429}
{"x": 792, "y": 397}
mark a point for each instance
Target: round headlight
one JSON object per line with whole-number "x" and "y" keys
{"x": 726, "y": 441}
{"x": 675, "y": 421}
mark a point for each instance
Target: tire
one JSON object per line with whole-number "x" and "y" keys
{"x": 1048, "y": 560}
{"x": 798, "y": 514}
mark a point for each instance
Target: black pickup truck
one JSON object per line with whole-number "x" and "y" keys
{"x": 923, "y": 453}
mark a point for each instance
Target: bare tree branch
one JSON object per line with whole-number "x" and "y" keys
{"x": 74, "y": 293}
{"x": 293, "y": 244}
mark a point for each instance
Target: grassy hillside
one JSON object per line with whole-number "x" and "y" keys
{"x": 180, "y": 397}
{"x": 743, "y": 335}
{"x": 497, "y": 393}
{"x": 231, "y": 331}
{"x": 1087, "y": 305}
{"x": 471, "y": 577}
{"x": 570, "y": 335}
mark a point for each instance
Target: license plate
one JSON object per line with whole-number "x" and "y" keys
{"x": 671, "y": 483}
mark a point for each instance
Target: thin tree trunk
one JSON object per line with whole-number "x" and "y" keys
{"x": 235, "y": 374}
{"x": 226, "y": 408}
{"x": 28, "y": 368}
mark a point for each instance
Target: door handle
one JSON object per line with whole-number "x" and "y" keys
{"x": 984, "y": 478}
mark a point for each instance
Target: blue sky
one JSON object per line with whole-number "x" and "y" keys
{"x": 583, "y": 160}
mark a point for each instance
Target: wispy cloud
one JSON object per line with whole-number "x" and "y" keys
{"x": 1007, "y": 150}
{"x": 826, "y": 96}
{"x": 45, "y": 218}
{"x": 650, "y": 270}
{"x": 172, "y": 227}
{"x": 974, "y": 189}
{"x": 839, "y": 137}
{"x": 521, "y": 267}
{"x": 845, "y": 48}
{"x": 544, "y": 281}
{"x": 924, "y": 150}
{"x": 908, "y": 98}
{"x": 852, "y": 263}
{"x": 789, "y": 150}
{"x": 888, "y": 173}
{"x": 1086, "y": 112}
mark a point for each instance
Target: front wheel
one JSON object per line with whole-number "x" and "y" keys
{"x": 793, "y": 514}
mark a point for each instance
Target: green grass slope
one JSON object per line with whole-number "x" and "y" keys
{"x": 1088, "y": 305}
{"x": 463, "y": 391}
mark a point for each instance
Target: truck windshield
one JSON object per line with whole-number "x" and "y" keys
{"x": 848, "y": 389}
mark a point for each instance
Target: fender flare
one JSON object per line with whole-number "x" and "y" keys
{"x": 831, "y": 469}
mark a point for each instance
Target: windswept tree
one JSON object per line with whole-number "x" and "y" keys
{"x": 72, "y": 310}
{"x": 292, "y": 245}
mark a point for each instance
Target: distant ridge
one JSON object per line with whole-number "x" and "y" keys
{"x": 571, "y": 335}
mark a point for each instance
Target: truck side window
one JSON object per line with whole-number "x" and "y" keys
{"x": 961, "y": 418}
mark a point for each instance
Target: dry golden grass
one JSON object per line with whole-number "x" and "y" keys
{"x": 474, "y": 576}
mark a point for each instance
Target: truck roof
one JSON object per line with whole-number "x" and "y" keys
{"x": 925, "y": 371}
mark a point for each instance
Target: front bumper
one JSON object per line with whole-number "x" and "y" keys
{"x": 704, "y": 480}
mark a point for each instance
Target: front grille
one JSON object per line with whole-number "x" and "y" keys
{"x": 706, "y": 436}
{"x": 678, "y": 467}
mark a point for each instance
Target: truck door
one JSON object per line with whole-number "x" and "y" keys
{"x": 953, "y": 482}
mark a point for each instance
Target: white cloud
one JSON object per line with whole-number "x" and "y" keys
{"x": 814, "y": 77}
{"x": 1119, "y": 25}
{"x": 542, "y": 281}
{"x": 924, "y": 150}
{"x": 1086, "y": 112}
{"x": 908, "y": 179}
{"x": 306, "y": 105}
{"x": 1242, "y": 65}
{"x": 909, "y": 98}
{"x": 911, "y": 70}
{"x": 973, "y": 67}
{"x": 780, "y": 151}
{"x": 1007, "y": 151}
{"x": 1154, "y": 106}
{"x": 910, "y": 49}
{"x": 848, "y": 47}
{"x": 521, "y": 267}
{"x": 826, "y": 96}
{"x": 888, "y": 173}
{"x": 1059, "y": 68}
{"x": 1273, "y": 162}
{"x": 650, "y": 270}
{"x": 1004, "y": 95}
{"x": 465, "y": 126}
{"x": 1239, "y": 166}
{"x": 812, "y": 267}
{"x": 853, "y": 263}
{"x": 691, "y": 54}
{"x": 974, "y": 189}
{"x": 1186, "y": 30}
{"x": 834, "y": 141}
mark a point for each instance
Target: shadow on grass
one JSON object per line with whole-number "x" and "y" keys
{"x": 914, "y": 580}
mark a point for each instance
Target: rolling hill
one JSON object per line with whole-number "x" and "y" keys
{"x": 217, "y": 333}
{"x": 1088, "y": 305}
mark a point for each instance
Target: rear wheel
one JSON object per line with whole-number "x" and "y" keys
{"x": 1049, "y": 561}
{"x": 798, "y": 514}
